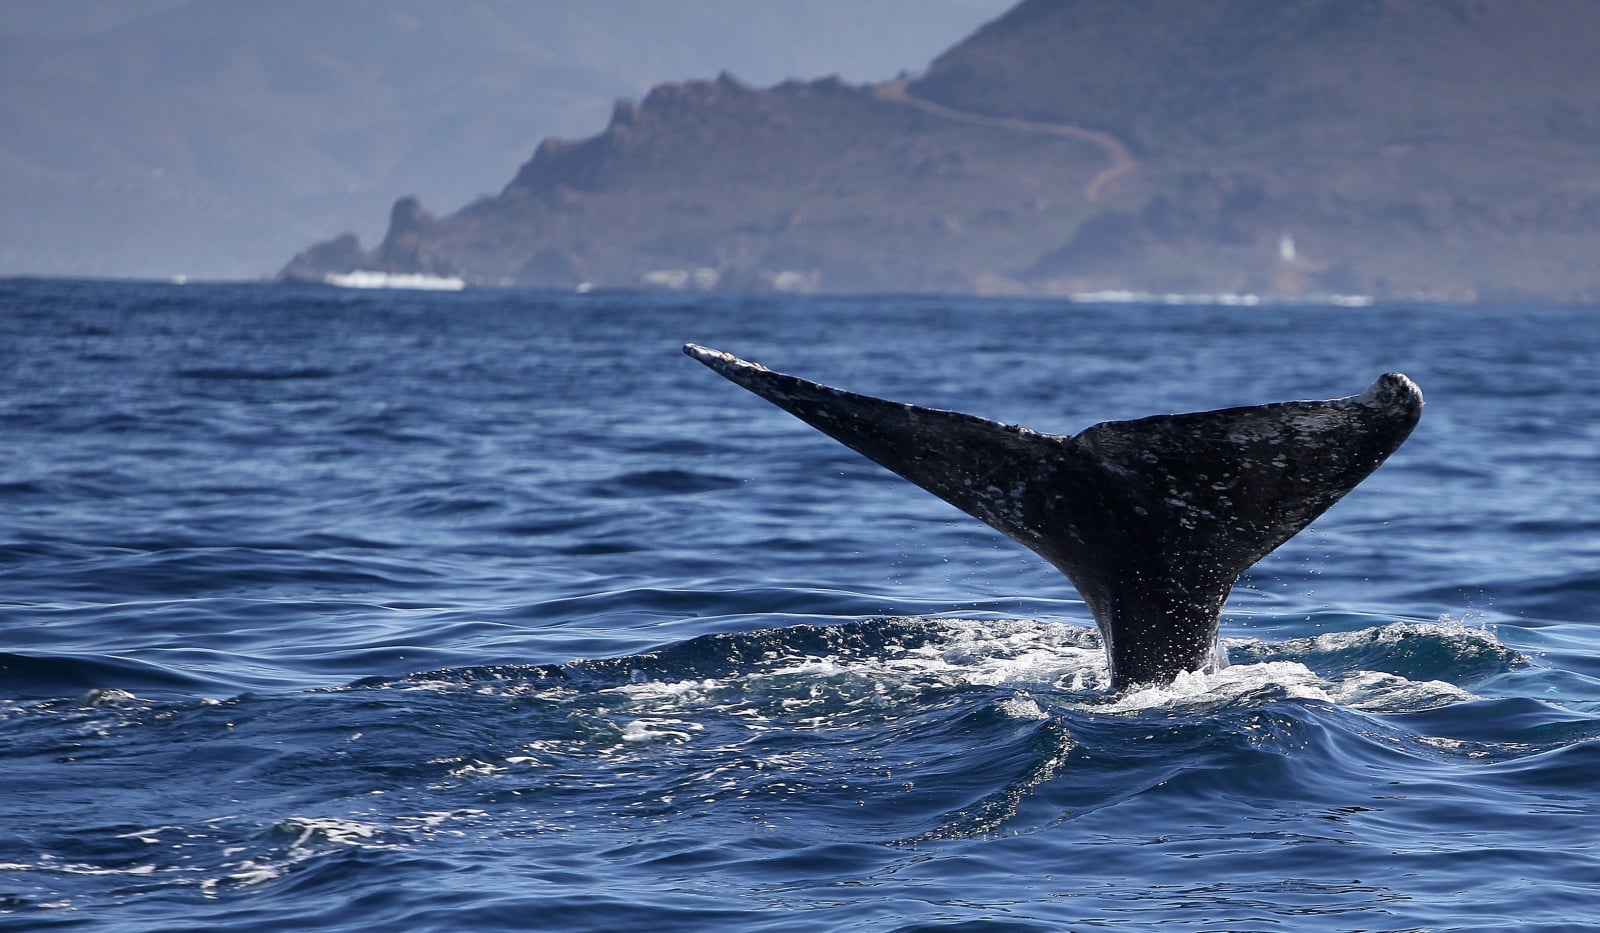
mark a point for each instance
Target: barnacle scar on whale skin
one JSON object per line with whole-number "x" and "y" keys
{"x": 1153, "y": 520}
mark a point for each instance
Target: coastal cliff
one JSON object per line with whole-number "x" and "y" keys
{"x": 1412, "y": 149}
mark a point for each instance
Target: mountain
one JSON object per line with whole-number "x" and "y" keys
{"x": 1420, "y": 149}
{"x": 214, "y": 137}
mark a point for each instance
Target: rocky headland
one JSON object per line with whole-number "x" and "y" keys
{"x": 1403, "y": 149}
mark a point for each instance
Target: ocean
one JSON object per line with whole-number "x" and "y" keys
{"x": 330, "y": 609}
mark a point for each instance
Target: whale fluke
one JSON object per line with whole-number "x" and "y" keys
{"x": 1153, "y": 520}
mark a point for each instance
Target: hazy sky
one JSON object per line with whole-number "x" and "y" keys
{"x": 215, "y": 138}
{"x": 74, "y": 17}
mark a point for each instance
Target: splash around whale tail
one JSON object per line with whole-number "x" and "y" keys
{"x": 1153, "y": 520}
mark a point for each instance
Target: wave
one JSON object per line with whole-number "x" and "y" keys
{"x": 1392, "y": 668}
{"x": 274, "y": 374}
{"x": 1443, "y": 650}
{"x": 650, "y": 483}
{"x": 990, "y": 713}
{"x": 1221, "y": 299}
{"x": 1067, "y": 659}
{"x": 54, "y": 675}
{"x": 363, "y": 279}
{"x": 843, "y": 741}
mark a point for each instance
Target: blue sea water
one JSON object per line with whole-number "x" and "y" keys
{"x": 333, "y": 610}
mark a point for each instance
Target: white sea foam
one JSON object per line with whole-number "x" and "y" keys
{"x": 433, "y": 819}
{"x": 1065, "y": 660}
{"x": 1445, "y": 629}
{"x": 1225, "y": 299}
{"x": 995, "y": 653}
{"x": 367, "y": 279}
{"x": 1368, "y": 691}
{"x": 1377, "y": 692}
{"x": 1022, "y": 707}
{"x": 343, "y": 832}
{"x": 659, "y": 730}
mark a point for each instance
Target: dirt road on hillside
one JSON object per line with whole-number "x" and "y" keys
{"x": 1122, "y": 161}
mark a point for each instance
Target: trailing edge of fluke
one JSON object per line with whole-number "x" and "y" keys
{"x": 1152, "y": 520}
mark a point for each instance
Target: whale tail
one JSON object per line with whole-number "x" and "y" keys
{"x": 1153, "y": 520}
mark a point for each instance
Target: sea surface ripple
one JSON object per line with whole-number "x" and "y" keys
{"x": 330, "y": 610}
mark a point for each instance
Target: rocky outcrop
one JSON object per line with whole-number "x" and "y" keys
{"x": 407, "y": 249}
{"x": 331, "y": 257}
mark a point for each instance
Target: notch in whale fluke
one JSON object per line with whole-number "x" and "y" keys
{"x": 1153, "y": 520}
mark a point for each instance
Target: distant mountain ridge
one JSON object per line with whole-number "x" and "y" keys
{"x": 1418, "y": 149}
{"x": 213, "y": 138}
